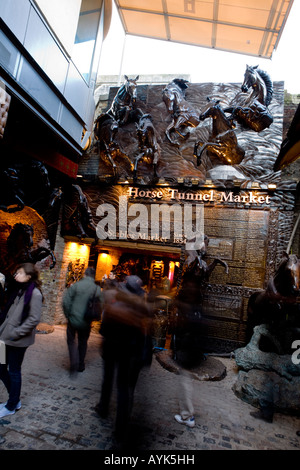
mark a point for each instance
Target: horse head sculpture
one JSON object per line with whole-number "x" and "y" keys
{"x": 124, "y": 101}
{"x": 286, "y": 280}
{"x": 277, "y": 306}
{"x": 260, "y": 83}
{"x": 253, "y": 112}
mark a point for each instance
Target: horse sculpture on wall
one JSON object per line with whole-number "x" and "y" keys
{"x": 278, "y": 305}
{"x": 148, "y": 146}
{"x": 223, "y": 142}
{"x": 253, "y": 111}
{"x": 77, "y": 215}
{"x": 183, "y": 115}
{"x": 123, "y": 103}
{"x": 105, "y": 130}
{"x": 20, "y": 248}
{"x": 11, "y": 195}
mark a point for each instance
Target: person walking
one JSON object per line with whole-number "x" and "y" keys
{"x": 20, "y": 316}
{"x": 75, "y": 302}
{"x": 125, "y": 327}
{"x": 187, "y": 349}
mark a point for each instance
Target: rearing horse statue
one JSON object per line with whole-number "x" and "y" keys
{"x": 20, "y": 248}
{"x": 105, "y": 130}
{"x": 253, "y": 111}
{"x": 278, "y": 305}
{"x": 124, "y": 102}
{"x": 183, "y": 114}
{"x": 223, "y": 142}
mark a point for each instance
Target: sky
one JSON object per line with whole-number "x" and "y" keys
{"x": 124, "y": 54}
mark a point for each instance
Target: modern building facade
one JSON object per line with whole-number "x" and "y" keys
{"x": 48, "y": 67}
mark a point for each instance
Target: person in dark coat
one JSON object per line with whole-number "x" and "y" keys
{"x": 75, "y": 303}
{"x": 19, "y": 317}
{"x": 125, "y": 326}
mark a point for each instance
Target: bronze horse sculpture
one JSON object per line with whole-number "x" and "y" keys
{"x": 124, "y": 101}
{"x": 196, "y": 272}
{"x": 12, "y": 196}
{"x": 189, "y": 325}
{"x": 223, "y": 142}
{"x": 77, "y": 215}
{"x": 148, "y": 146}
{"x": 278, "y": 305}
{"x": 105, "y": 130}
{"x": 253, "y": 111}
{"x": 183, "y": 115}
{"x": 19, "y": 246}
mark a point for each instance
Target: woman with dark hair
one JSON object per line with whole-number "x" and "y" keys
{"x": 21, "y": 315}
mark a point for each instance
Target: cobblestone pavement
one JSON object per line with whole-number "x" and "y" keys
{"x": 58, "y": 410}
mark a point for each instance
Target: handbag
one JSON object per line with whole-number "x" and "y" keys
{"x": 93, "y": 309}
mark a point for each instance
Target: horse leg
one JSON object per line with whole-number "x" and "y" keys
{"x": 212, "y": 266}
{"x": 183, "y": 135}
{"x": 155, "y": 160}
{"x": 136, "y": 164}
{"x": 168, "y": 133}
{"x": 41, "y": 253}
{"x": 109, "y": 157}
{"x": 124, "y": 119}
{"x": 203, "y": 147}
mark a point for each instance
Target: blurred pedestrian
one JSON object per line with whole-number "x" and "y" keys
{"x": 75, "y": 303}
{"x": 126, "y": 348}
{"x": 2, "y": 290}
{"x": 187, "y": 350}
{"x": 20, "y": 316}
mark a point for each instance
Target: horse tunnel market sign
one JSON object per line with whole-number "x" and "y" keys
{"x": 212, "y": 195}
{"x": 168, "y": 215}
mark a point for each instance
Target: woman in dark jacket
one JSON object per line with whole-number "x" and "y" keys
{"x": 21, "y": 315}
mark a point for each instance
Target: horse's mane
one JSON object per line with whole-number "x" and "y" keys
{"x": 181, "y": 82}
{"x": 269, "y": 85}
{"x": 177, "y": 88}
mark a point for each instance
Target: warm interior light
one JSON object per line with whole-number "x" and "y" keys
{"x": 162, "y": 182}
{"x": 171, "y": 271}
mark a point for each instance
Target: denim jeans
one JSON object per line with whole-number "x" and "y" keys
{"x": 10, "y": 374}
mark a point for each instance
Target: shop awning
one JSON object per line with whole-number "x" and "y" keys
{"x": 251, "y": 27}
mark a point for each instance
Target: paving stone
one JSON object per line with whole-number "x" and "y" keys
{"x": 58, "y": 410}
